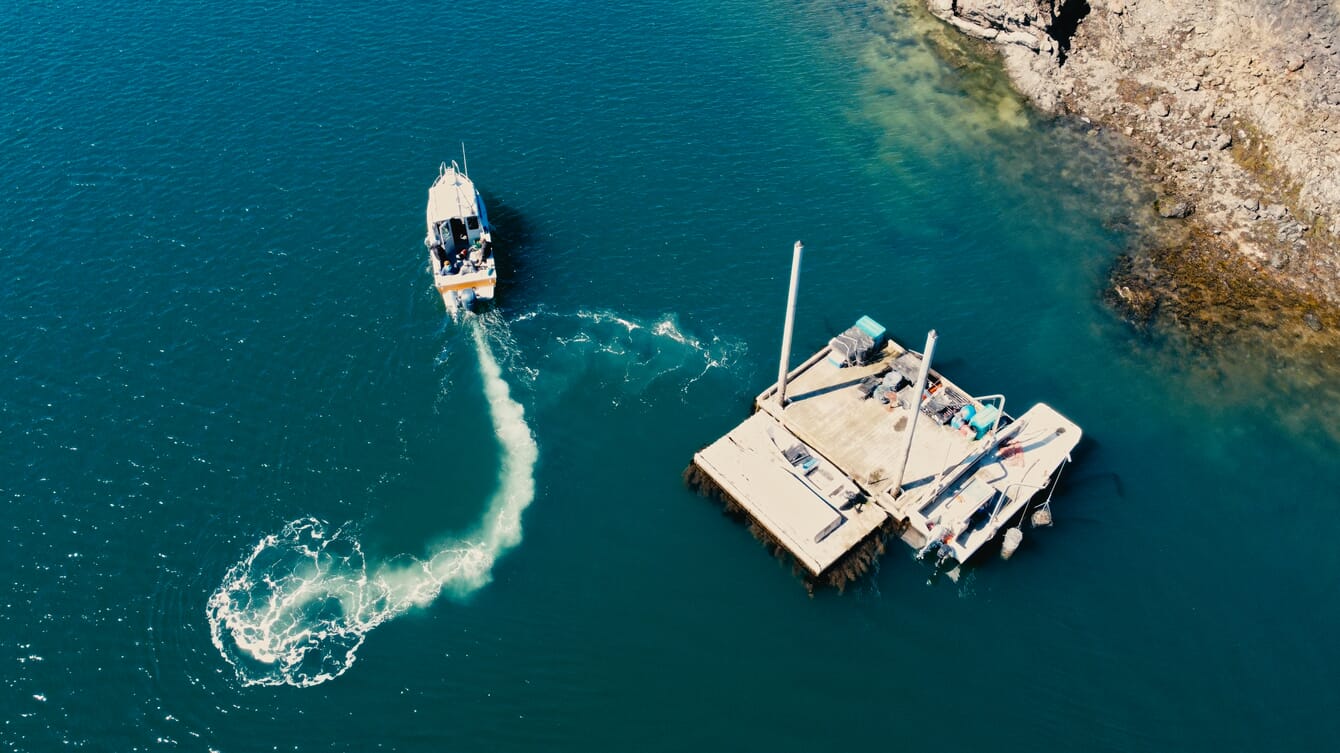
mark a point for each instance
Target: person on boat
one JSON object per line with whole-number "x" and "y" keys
{"x": 453, "y": 263}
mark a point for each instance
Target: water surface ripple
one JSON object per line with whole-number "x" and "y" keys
{"x": 216, "y": 327}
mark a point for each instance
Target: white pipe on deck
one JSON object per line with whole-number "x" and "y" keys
{"x": 790, "y": 322}
{"x": 1000, "y": 413}
{"x": 920, "y": 388}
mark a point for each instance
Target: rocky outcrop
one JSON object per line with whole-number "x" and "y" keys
{"x": 1233, "y": 107}
{"x": 1033, "y": 37}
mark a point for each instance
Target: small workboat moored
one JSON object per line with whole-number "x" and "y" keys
{"x": 460, "y": 244}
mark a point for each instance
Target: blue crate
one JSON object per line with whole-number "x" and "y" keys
{"x": 872, "y": 328}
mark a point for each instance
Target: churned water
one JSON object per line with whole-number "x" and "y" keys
{"x": 262, "y": 493}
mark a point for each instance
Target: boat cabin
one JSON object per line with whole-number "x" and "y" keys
{"x": 458, "y": 239}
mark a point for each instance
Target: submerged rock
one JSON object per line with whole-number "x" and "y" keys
{"x": 1131, "y": 290}
{"x": 1194, "y": 284}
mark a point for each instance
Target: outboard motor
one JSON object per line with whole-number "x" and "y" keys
{"x": 466, "y": 297}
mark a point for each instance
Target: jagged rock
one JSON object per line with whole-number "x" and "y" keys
{"x": 1025, "y": 23}
{"x": 1174, "y": 209}
{"x": 1312, "y": 321}
{"x": 1264, "y": 75}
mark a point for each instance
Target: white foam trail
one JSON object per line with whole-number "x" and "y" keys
{"x": 296, "y": 610}
{"x": 667, "y": 327}
{"x": 468, "y": 567}
{"x": 601, "y": 317}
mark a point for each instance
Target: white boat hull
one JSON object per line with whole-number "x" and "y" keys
{"x": 460, "y": 242}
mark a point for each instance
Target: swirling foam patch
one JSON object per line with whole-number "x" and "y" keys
{"x": 297, "y": 608}
{"x": 624, "y": 354}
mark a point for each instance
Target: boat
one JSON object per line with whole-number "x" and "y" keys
{"x": 459, "y": 241}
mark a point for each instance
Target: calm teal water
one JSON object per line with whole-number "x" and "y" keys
{"x": 220, "y": 352}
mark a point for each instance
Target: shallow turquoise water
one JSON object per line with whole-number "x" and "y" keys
{"x": 216, "y": 322}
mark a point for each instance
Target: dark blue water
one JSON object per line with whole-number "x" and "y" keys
{"x": 233, "y": 411}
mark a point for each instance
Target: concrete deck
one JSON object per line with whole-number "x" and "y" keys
{"x": 957, "y": 489}
{"x": 803, "y": 511}
{"x": 865, "y": 437}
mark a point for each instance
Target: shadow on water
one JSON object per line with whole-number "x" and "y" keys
{"x": 514, "y": 239}
{"x": 1097, "y": 481}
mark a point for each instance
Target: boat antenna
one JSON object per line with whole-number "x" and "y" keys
{"x": 464, "y": 162}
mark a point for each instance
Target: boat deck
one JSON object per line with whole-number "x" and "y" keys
{"x": 994, "y": 490}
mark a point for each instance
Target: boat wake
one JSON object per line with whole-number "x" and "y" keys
{"x": 602, "y": 346}
{"x": 298, "y": 607}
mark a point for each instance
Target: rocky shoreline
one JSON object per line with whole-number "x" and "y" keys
{"x": 1231, "y": 111}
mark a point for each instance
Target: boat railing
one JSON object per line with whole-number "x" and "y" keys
{"x": 1005, "y": 495}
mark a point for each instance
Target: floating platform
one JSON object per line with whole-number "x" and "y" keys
{"x": 814, "y": 512}
{"x": 818, "y": 474}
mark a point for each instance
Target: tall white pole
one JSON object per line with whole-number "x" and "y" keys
{"x": 897, "y": 487}
{"x": 790, "y": 321}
